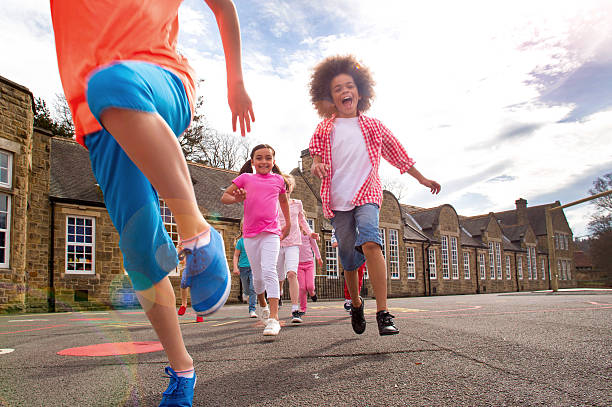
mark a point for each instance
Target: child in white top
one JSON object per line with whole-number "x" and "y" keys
{"x": 289, "y": 256}
{"x": 262, "y": 193}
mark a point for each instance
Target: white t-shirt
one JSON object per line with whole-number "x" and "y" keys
{"x": 351, "y": 164}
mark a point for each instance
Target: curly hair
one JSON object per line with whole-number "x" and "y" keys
{"x": 327, "y": 70}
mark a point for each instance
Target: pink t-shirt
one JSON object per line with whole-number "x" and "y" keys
{"x": 296, "y": 212}
{"x": 261, "y": 204}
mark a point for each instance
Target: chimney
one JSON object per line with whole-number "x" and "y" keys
{"x": 521, "y": 211}
{"x": 306, "y": 160}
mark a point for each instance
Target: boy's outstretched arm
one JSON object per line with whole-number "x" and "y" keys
{"x": 229, "y": 28}
{"x": 431, "y": 184}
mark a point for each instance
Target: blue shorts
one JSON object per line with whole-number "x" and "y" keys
{"x": 354, "y": 228}
{"x": 132, "y": 202}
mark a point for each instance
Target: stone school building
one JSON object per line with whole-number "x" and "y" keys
{"x": 59, "y": 250}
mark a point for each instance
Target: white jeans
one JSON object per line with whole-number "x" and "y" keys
{"x": 262, "y": 251}
{"x": 288, "y": 260}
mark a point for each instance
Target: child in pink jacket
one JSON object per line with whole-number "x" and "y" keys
{"x": 306, "y": 270}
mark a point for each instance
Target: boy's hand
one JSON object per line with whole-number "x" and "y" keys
{"x": 320, "y": 262}
{"x": 433, "y": 186}
{"x": 237, "y": 272}
{"x": 319, "y": 170}
{"x": 239, "y": 195}
{"x": 241, "y": 107}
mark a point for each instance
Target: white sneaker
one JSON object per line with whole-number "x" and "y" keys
{"x": 272, "y": 327}
{"x": 264, "y": 314}
{"x": 252, "y": 314}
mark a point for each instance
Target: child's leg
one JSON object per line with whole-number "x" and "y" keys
{"x": 292, "y": 259}
{"x": 184, "y": 296}
{"x": 347, "y": 295}
{"x": 368, "y": 240}
{"x": 301, "y": 275}
{"x": 159, "y": 302}
{"x": 361, "y": 272}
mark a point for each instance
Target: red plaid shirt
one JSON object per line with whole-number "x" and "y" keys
{"x": 379, "y": 142}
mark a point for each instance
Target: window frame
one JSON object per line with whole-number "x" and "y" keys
{"x": 508, "y": 267}
{"x": 519, "y": 266}
{"x": 482, "y": 267}
{"x": 91, "y": 245}
{"x": 466, "y": 265}
{"x": 172, "y": 228}
{"x": 410, "y": 264}
{"x": 454, "y": 258}
{"x": 394, "y": 269}
{"x": 6, "y": 261}
{"x": 433, "y": 271}
{"x": 331, "y": 260}
{"x": 491, "y": 261}
{"x": 445, "y": 265}
{"x": 498, "y": 261}
{"x": 9, "y": 170}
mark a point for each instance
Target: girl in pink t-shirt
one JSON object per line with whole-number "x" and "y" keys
{"x": 262, "y": 193}
{"x": 289, "y": 256}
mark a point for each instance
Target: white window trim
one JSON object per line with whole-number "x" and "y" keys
{"x": 383, "y": 240}
{"x": 498, "y": 260}
{"x": 445, "y": 268}
{"x": 466, "y": 265}
{"x": 92, "y": 245}
{"x": 9, "y": 183}
{"x": 491, "y": 261}
{"x": 508, "y": 268}
{"x": 454, "y": 258}
{"x": 529, "y": 275}
{"x": 543, "y": 268}
{"x": 433, "y": 272}
{"x": 482, "y": 268}
{"x": 173, "y": 230}
{"x": 519, "y": 266}
{"x": 7, "y": 241}
{"x": 331, "y": 260}
{"x": 410, "y": 264}
{"x": 394, "y": 254}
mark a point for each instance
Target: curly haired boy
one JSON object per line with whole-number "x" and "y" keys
{"x": 346, "y": 148}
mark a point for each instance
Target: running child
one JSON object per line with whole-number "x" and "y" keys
{"x": 289, "y": 255}
{"x": 184, "y": 288}
{"x": 346, "y": 148}
{"x": 242, "y": 268}
{"x": 309, "y": 250}
{"x": 131, "y": 95}
{"x": 262, "y": 193}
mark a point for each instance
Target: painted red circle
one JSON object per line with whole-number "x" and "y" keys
{"x": 113, "y": 348}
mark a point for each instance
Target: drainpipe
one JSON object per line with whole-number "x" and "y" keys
{"x": 51, "y": 293}
{"x": 477, "y": 272}
{"x": 426, "y": 273}
{"x": 518, "y": 285}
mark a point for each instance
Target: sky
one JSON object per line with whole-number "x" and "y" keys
{"x": 494, "y": 100}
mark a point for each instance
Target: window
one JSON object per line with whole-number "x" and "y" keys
{"x": 508, "y": 273}
{"x": 566, "y": 241}
{"x": 171, "y": 228}
{"x": 534, "y": 264}
{"x": 519, "y": 266}
{"x": 410, "y": 262}
{"x": 498, "y": 257}
{"x": 491, "y": 261}
{"x": 528, "y": 263}
{"x": 481, "y": 266}
{"x": 381, "y": 233}
{"x": 543, "y": 268}
{"x": 556, "y": 240}
{"x": 431, "y": 253}
{"x": 310, "y": 222}
{"x": 393, "y": 255}
{"x": 80, "y": 244}
{"x": 5, "y": 230}
{"x": 466, "y": 265}
{"x": 568, "y": 269}
{"x": 445, "y": 273}
{"x": 6, "y": 169}
{"x": 331, "y": 260}
{"x": 454, "y": 257}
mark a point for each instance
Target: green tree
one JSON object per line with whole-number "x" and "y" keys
{"x": 43, "y": 118}
{"x": 600, "y": 225}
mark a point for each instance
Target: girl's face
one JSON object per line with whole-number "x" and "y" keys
{"x": 345, "y": 95}
{"x": 263, "y": 160}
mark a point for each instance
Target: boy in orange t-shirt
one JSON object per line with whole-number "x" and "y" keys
{"x": 131, "y": 95}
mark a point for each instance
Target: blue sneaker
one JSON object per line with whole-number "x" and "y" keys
{"x": 180, "y": 390}
{"x": 208, "y": 275}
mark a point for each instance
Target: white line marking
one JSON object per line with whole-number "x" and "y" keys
{"x": 4, "y": 351}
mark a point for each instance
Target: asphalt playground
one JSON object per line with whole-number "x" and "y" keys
{"x": 510, "y": 349}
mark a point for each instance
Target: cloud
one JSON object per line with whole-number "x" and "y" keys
{"x": 502, "y": 178}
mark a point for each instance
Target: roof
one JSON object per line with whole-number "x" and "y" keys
{"x": 73, "y": 179}
{"x": 514, "y": 232}
{"x": 475, "y": 225}
{"x": 71, "y": 176}
{"x": 582, "y": 259}
{"x": 425, "y": 217}
{"x": 535, "y": 214}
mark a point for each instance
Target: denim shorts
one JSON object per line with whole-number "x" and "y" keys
{"x": 354, "y": 228}
{"x": 131, "y": 201}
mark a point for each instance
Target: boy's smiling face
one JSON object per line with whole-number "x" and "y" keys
{"x": 345, "y": 95}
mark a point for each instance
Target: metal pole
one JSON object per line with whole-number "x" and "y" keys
{"x": 552, "y": 258}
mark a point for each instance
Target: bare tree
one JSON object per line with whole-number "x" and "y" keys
{"x": 63, "y": 115}
{"x": 602, "y": 184}
{"x": 395, "y": 186}
{"x": 203, "y": 144}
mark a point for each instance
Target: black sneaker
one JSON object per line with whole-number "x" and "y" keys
{"x": 357, "y": 318}
{"x": 280, "y": 302}
{"x": 314, "y": 298}
{"x": 385, "y": 323}
{"x": 296, "y": 317}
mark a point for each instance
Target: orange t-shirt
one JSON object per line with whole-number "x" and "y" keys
{"x": 94, "y": 33}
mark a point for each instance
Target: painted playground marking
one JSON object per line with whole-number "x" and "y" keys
{"x": 27, "y": 320}
{"x": 5, "y": 351}
{"x": 113, "y": 349}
